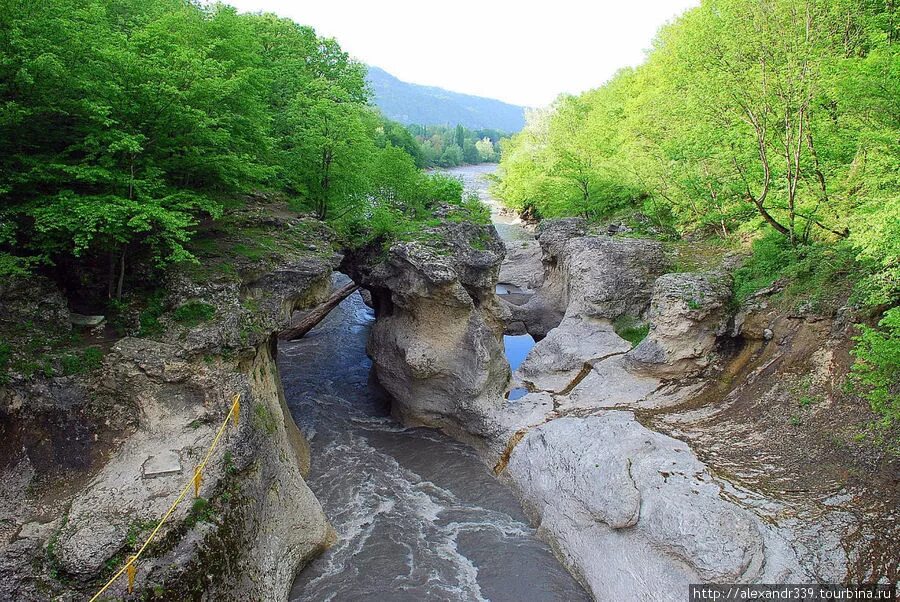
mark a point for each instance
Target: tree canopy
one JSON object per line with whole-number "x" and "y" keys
{"x": 124, "y": 123}
{"x": 746, "y": 115}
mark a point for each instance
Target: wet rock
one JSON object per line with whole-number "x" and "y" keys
{"x": 688, "y": 311}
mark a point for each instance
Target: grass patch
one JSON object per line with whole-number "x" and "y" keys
{"x": 193, "y": 313}
{"x": 876, "y": 374}
{"x": 631, "y": 329}
{"x": 5, "y": 357}
{"x": 80, "y": 362}
{"x": 149, "y": 317}
{"x": 263, "y": 419}
{"x": 201, "y": 511}
{"x": 816, "y": 277}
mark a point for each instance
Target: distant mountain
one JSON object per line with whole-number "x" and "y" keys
{"x": 426, "y": 105}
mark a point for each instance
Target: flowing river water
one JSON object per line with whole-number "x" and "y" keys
{"x": 418, "y": 515}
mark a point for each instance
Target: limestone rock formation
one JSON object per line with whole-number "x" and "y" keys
{"x": 688, "y": 311}
{"x": 635, "y": 511}
{"x": 522, "y": 265}
{"x": 127, "y": 436}
{"x": 436, "y": 345}
{"x": 589, "y": 276}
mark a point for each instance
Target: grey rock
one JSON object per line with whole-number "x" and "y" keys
{"x": 35, "y": 300}
{"x": 555, "y": 361}
{"x": 162, "y": 464}
{"x": 688, "y": 311}
{"x": 82, "y": 320}
{"x": 436, "y": 344}
{"x": 522, "y": 265}
{"x": 607, "y": 483}
{"x": 590, "y": 276}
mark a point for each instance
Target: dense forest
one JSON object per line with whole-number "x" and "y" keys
{"x": 446, "y": 146}
{"x": 125, "y": 123}
{"x": 774, "y": 123}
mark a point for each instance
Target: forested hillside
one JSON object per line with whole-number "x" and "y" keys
{"x": 414, "y": 104}
{"x": 775, "y": 123}
{"x": 125, "y": 123}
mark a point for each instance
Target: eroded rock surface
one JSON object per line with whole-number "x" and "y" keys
{"x": 635, "y": 511}
{"x": 589, "y": 276}
{"x": 436, "y": 343}
{"x": 125, "y": 438}
{"x": 687, "y": 312}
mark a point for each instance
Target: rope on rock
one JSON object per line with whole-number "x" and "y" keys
{"x": 130, "y": 567}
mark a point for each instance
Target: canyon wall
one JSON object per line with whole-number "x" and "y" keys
{"x": 130, "y": 434}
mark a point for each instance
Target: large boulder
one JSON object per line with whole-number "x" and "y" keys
{"x": 636, "y": 514}
{"x": 557, "y": 360}
{"x": 688, "y": 311}
{"x": 589, "y": 276}
{"x": 436, "y": 343}
{"x": 522, "y": 265}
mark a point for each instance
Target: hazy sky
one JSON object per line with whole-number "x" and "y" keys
{"x": 500, "y": 49}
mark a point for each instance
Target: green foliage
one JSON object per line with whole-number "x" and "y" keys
{"x": 817, "y": 276}
{"x": 771, "y": 255}
{"x": 263, "y": 419}
{"x": 193, "y": 313}
{"x": 201, "y": 511}
{"x": 125, "y": 125}
{"x": 149, "y": 317}
{"x": 631, "y": 329}
{"x": 444, "y": 146}
{"x": 876, "y": 373}
{"x": 404, "y": 203}
{"x": 81, "y": 362}
{"x": 5, "y": 357}
{"x": 781, "y": 114}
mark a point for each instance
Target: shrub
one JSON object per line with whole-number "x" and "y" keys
{"x": 81, "y": 362}
{"x": 149, "y": 317}
{"x": 876, "y": 373}
{"x": 631, "y": 329}
{"x": 816, "y": 274}
{"x": 193, "y": 313}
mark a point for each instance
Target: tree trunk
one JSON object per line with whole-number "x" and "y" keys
{"x": 121, "y": 273}
{"x": 111, "y": 276}
{"x": 318, "y": 314}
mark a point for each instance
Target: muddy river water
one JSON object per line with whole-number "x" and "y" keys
{"x": 418, "y": 515}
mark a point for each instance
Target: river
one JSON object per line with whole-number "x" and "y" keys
{"x": 418, "y": 515}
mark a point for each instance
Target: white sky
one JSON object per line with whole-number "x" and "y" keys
{"x": 496, "y": 48}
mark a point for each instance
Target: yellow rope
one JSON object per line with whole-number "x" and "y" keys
{"x": 235, "y": 407}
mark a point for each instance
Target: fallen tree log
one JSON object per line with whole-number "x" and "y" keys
{"x": 317, "y": 314}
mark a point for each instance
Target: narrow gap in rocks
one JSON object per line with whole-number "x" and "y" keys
{"x": 411, "y": 507}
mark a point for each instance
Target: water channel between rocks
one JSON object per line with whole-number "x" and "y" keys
{"x": 418, "y": 515}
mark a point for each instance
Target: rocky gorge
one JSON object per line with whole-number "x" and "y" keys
{"x": 608, "y": 445}
{"x": 93, "y": 460}
{"x": 645, "y": 467}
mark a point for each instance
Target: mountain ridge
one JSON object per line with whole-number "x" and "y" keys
{"x": 430, "y": 105}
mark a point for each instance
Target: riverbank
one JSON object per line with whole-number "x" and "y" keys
{"x": 583, "y": 383}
